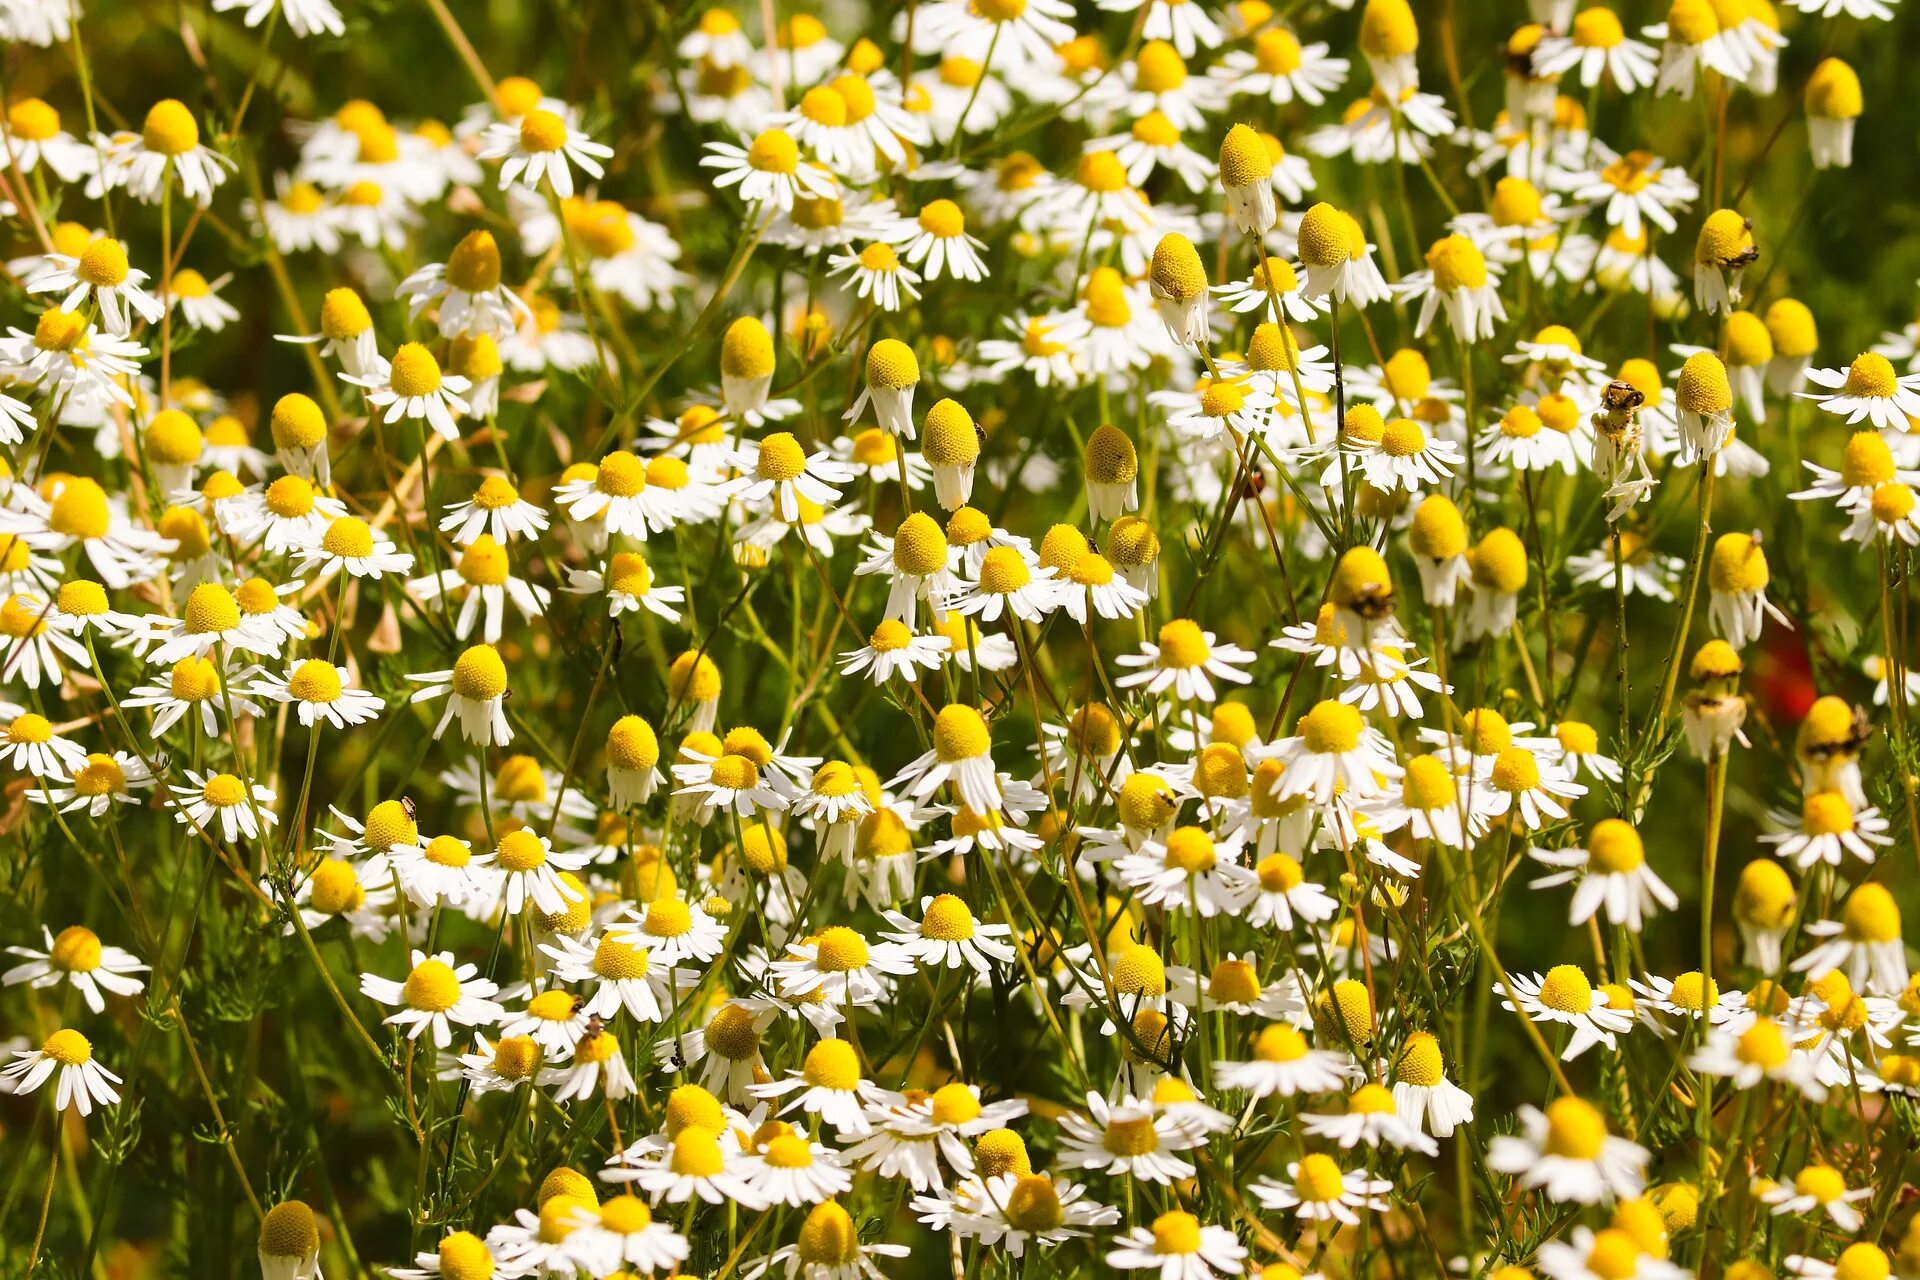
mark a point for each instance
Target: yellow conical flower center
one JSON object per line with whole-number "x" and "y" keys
{"x": 76, "y": 949}
{"x": 1331, "y": 728}
{"x": 955, "y": 1104}
{"x": 446, "y": 851}
{"x": 1130, "y": 1136}
{"x": 315, "y": 680}
{"x": 1871, "y": 375}
{"x": 788, "y": 1151}
{"x": 58, "y": 330}
{"x": 463, "y": 1255}
{"x": 1575, "y": 1129}
{"x": 336, "y": 889}
{"x": 101, "y": 776}
{"x": 1233, "y": 982}
{"x": 1191, "y": 850}
{"x": 104, "y": 264}
{"x": 170, "y": 128}
{"x": 1177, "y": 1232}
{"x": 1183, "y": 644}
{"x": 542, "y": 130}
{"x": 349, "y": 538}
{"x": 1457, "y": 263}
{"x": 832, "y": 1064}
{"x": 1862, "y": 1261}
{"x": 1139, "y": 971}
{"x": 1872, "y": 915}
{"x": 80, "y": 510}
{"x": 32, "y": 120}
{"x": 840, "y": 950}
{"x": 828, "y": 1238}
{"x": 1403, "y": 438}
{"x": 520, "y": 851}
{"x": 432, "y": 987}
{"x": 289, "y": 497}
{"x": 1279, "y": 1042}
{"x": 479, "y": 675}
{"x": 668, "y": 918}
{"x": 1566, "y": 990}
{"x": 415, "y": 372}
{"x": 730, "y": 1032}
{"x": 947, "y": 920}
{"x": 1763, "y": 1045}
{"x": 696, "y": 1153}
{"x": 484, "y": 562}
{"x": 1318, "y": 1180}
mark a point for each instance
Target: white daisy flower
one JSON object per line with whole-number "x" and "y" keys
{"x": 540, "y": 145}
{"x": 436, "y": 995}
{"x": 82, "y": 1081}
{"x": 1567, "y": 1151}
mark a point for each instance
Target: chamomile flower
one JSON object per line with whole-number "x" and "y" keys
{"x": 31, "y": 744}
{"x": 788, "y": 1169}
{"x": 198, "y": 300}
{"x": 1565, "y": 995}
{"x": 77, "y": 957}
{"x": 1634, "y": 189}
{"x": 1283, "y": 1063}
{"x": 1127, "y": 1137}
{"x": 1318, "y": 1190}
{"x": 1611, "y": 872}
{"x": 830, "y": 1086}
{"x": 81, "y": 1081}
{"x": 1421, "y": 1091}
{"x": 1338, "y": 259}
{"x": 1598, "y": 46}
{"x": 948, "y": 935}
{"x": 542, "y": 144}
{"x": 1178, "y": 1245}
{"x": 1280, "y": 68}
{"x": 353, "y": 545}
{"x": 1763, "y": 1051}
{"x": 100, "y": 782}
{"x": 536, "y": 1243}
{"x": 496, "y": 510}
{"x": 1868, "y": 390}
{"x": 1405, "y": 456}
{"x": 99, "y": 273}
{"x": 65, "y": 355}
{"x": 1458, "y": 277}
{"x": 876, "y": 271}
{"x": 435, "y": 995}
{"x": 1587, "y": 1254}
{"x": 1820, "y": 1190}
{"x": 1864, "y": 943}
{"x": 781, "y": 471}
{"x": 1183, "y": 661}
{"x": 1694, "y": 41}
{"x": 1372, "y": 1117}
{"x": 221, "y": 802}
{"x": 413, "y": 386}
{"x": 675, "y": 931}
{"x": 483, "y": 576}
{"x": 1333, "y": 750}
{"x": 317, "y": 690}
{"x": 459, "y": 1255}
{"x": 168, "y": 149}
{"x": 768, "y": 170}
{"x": 1013, "y": 1208}
{"x": 1568, "y": 1152}
{"x": 475, "y": 689}
{"x": 299, "y": 217}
